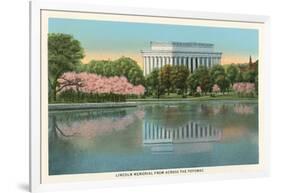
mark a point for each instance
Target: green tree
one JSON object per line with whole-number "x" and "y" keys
{"x": 239, "y": 77}
{"x": 232, "y": 72}
{"x": 216, "y": 71}
{"x": 64, "y": 54}
{"x": 193, "y": 82}
{"x": 166, "y": 77}
{"x": 129, "y": 68}
{"x": 200, "y": 77}
{"x": 249, "y": 76}
{"x": 179, "y": 78}
{"x": 223, "y": 82}
{"x": 219, "y": 77}
{"x": 153, "y": 83}
{"x": 123, "y": 66}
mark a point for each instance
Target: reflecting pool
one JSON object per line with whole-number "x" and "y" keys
{"x": 153, "y": 136}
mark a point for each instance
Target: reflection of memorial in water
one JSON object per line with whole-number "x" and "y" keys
{"x": 189, "y": 138}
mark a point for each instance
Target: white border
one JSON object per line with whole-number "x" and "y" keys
{"x": 35, "y": 92}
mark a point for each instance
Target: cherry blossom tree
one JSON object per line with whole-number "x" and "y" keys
{"x": 244, "y": 88}
{"x": 91, "y": 83}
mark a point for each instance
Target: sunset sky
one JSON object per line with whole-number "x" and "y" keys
{"x": 111, "y": 40}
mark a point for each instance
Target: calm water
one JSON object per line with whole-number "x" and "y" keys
{"x": 154, "y": 136}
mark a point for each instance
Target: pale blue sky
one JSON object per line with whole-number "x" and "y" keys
{"x": 125, "y": 37}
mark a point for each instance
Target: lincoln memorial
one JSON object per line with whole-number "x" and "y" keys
{"x": 191, "y": 54}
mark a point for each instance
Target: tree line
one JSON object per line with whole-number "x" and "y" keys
{"x": 178, "y": 79}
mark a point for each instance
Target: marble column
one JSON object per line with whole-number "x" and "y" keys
{"x": 212, "y": 61}
{"x": 149, "y": 65}
{"x": 163, "y": 60}
{"x": 145, "y": 67}
{"x": 159, "y": 62}
{"x": 184, "y": 61}
{"x": 179, "y": 61}
{"x": 156, "y": 62}
{"x": 199, "y": 61}
{"x": 153, "y": 63}
{"x": 189, "y": 63}
{"x": 193, "y": 64}
{"x": 203, "y": 61}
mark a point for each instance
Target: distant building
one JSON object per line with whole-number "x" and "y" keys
{"x": 190, "y": 54}
{"x": 250, "y": 66}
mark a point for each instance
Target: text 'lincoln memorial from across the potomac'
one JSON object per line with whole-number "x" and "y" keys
{"x": 191, "y": 54}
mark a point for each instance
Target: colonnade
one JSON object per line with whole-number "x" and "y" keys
{"x": 193, "y": 62}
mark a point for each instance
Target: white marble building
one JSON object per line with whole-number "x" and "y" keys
{"x": 191, "y": 54}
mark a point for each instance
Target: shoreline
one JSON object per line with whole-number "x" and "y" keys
{"x": 79, "y": 106}
{"x": 136, "y": 102}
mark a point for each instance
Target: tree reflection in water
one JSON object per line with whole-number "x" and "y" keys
{"x": 243, "y": 109}
{"x": 89, "y": 125}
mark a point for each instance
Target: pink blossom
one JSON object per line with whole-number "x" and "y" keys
{"x": 243, "y": 87}
{"x": 198, "y": 89}
{"x": 216, "y": 88}
{"x": 93, "y": 83}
